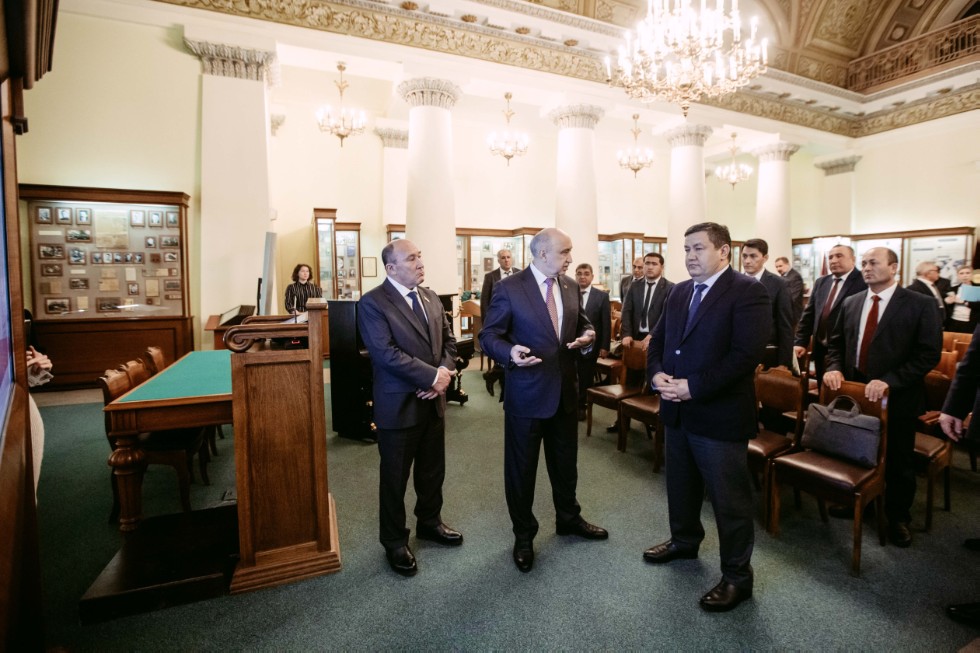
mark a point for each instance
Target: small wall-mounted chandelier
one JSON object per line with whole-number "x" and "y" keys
{"x": 509, "y": 144}
{"x": 734, "y": 172}
{"x": 343, "y": 122}
{"x": 633, "y": 158}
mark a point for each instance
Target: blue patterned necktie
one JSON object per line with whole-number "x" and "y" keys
{"x": 695, "y": 303}
{"x": 417, "y": 308}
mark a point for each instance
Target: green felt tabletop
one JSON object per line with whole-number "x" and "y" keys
{"x": 199, "y": 373}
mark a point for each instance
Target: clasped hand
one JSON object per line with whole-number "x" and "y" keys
{"x": 874, "y": 390}
{"x": 670, "y": 388}
{"x": 443, "y": 378}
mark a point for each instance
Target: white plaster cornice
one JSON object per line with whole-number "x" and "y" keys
{"x": 688, "y": 135}
{"x": 781, "y": 151}
{"x": 581, "y": 116}
{"x": 225, "y": 60}
{"x": 429, "y": 92}
{"x": 391, "y": 137}
{"x": 838, "y": 166}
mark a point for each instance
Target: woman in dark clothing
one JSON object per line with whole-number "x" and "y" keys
{"x": 298, "y": 292}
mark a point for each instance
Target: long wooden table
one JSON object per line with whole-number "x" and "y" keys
{"x": 193, "y": 392}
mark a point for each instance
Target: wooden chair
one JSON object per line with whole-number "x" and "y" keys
{"x": 136, "y": 370}
{"x": 644, "y": 408}
{"x": 779, "y": 395}
{"x": 835, "y": 480}
{"x": 933, "y": 456}
{"x": 609, "y": 396}
{"x": 948, "y": 338}
{"x": 947, "y": 363}
{"x": 960, "y": 347}
{"x": 156, "y": 362}
{"x": 173, "y": 448}
{"x": 471, "y": 309}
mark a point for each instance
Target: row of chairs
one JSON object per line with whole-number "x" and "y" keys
{"x": 173, "y": 448}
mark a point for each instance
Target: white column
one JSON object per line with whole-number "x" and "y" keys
{"x": 772, "y": 205}
{"x": 394, "y": 174}
{"x": 235, "y": 211}
{"x": 576, "y": 205}
{"x": 688, "y": 195}
{"x": 430, "y": 219}
{"x": 837, "y": 199}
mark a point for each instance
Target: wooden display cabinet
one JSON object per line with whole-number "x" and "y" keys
{"x": 338, "y": 255}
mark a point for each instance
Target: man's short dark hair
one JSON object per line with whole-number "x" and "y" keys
{"x": 782, "y": 259}
{"x": 583, "y": 266}
{"x": 717, "y": 233}
{"x": 656, "y": 255}
{"x": 759, "y": 244}
{"x": 892, "y": 256}
{"x": 847, "y": 247}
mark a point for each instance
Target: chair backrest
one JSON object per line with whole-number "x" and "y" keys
{"x": 877, "y": 409}
{"x": 781, "y": 392}
{"x": 960, "y": 347}
{"x": 114, "y": 384}
{"x": 948, "y": 338}
{"x": 136, "y": 370}
{"x": 947, "y": 363}
{"x": 616, "y": 321}
{"x": 937, "y": 387}
{"x": 155, "y": 360}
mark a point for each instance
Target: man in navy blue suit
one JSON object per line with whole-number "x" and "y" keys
{"x": 702, "y": 358}
{"x": 536, "y": 327}
{"x": 405, "y": 329}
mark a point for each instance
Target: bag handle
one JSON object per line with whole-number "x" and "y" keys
{"x": 853, "y": 412}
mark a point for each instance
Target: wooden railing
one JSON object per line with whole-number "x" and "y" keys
{"x": 936, "y": 50}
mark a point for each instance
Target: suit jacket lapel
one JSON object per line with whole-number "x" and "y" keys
{"x": 433, "y": 311}
{"x": 895, "y": 306}
{"x": 535, "y": 300}
{"x": 571, "y": 303}
{"x": 714, "y": 293}
{"x": 402, "y": 307}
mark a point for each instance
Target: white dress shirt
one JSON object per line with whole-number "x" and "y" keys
{"x": 885, "y": 296}
{"x": 555, "y": 292}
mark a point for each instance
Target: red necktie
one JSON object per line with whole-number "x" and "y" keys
{"x": 869, "y": 333}
{"x": 549, "y": 300}
{"x": 825, "y": 313}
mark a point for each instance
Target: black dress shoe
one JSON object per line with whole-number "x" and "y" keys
{"x": 972, "y": 544}
{"x": 490, "y": 382}
{"x": 899, "y": 534}
{"x": 442, "y": 534}
{"x": 724, "y": 596}
{"x": 401, "y": 560}
{"x": 523, "y": 556}
{"x": 613, "y": 428}
{"x": 667, "y": 551}
{"x": 965, "y": 613}
{"x": 583, "y": 529}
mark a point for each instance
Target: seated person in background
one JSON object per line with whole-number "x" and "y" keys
{"x": 961, "y": 315}
{"x": 38, "y": 367}
{"x": 38, "y": 373}
{"x": 300, "y": 290}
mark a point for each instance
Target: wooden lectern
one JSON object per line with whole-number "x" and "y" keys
{"x": 287, "y": 523}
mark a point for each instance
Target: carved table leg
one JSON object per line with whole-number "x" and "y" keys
{"x": 127, "y": 466}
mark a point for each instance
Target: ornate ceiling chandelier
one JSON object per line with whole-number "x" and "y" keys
{"x": 343, "y": 122}
{"x": 633, "y": 158}
{"x": 679, "y": 54}
{"x": 509, "y": 144}
{"x": 734, "y": 172}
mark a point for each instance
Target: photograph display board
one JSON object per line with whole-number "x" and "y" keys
{"x": 106, "y": 260}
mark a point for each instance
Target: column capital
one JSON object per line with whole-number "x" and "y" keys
{"x": 838, "y": 166}
{"x": 429, "y": 92}
{"x": 225, "y": 60}
{"x": 391, "y": 137}
{"x": 582, "y": 116}
{"x": 780, "y": 151}
{"x": 688, "y": 135}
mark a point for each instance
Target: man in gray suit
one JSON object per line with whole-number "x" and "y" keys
{"x": 505, "y": 259}
{"x": 412, "y": 353}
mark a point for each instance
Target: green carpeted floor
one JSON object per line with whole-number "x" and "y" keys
{"x": 580, "y": 595}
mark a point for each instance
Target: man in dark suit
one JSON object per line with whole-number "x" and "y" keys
{"x": 928, "y": 282}
{"x": 644, "y": 302}
{"x": 627, "y": 280}
{"x": 889, "y": 338}
{"x": 595, "y": 303}
{"x": 821, "y": 312}
{"x": 536, "y": 327}
{"x": 779, "y": 351}
{"x": 964, "y": 397}
{"x": 505, "y": 261}
{"x": 702, "y": 358}
{"x": 412, "y": 351}
{"x": 794, "y": 281}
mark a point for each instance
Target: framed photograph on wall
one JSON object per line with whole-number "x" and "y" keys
{"x": 170, "y": 241}
{"x": 172, "y": 285}
{"x": 150, "y": 242}
{"x": 78, "y": 235}
{"x": 173, "y": 219}
{"x": 78, "y": 283}
{"x": 108, "y": 304}
{"x": 64, "y": 215}
{"x": 170, "y": 257}
{"x": 137, "y": 218}
{"x": 51, "y": 251}
{"x": 133, "y": 288}
{"x": 77, "y": 256}
{"x": 83, "y": 216}
{"x": 155, "y": 219}
{"x": 43, "y": 215}
{"x": 369, "y": 266}
{"x": 51, "y": 270}
{"x": 57, "y": 305}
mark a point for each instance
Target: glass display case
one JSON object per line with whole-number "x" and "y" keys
{"x": 338, "y": 251}
{"x": 616, "y": 254}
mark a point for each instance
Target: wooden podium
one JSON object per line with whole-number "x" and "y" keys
{"x": 287, "y": 523}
